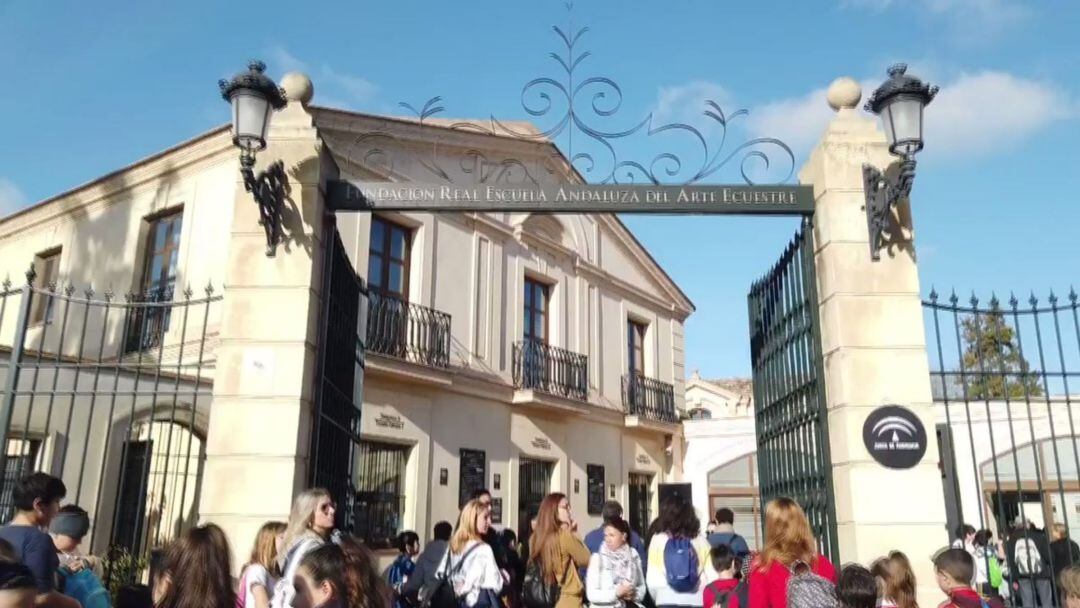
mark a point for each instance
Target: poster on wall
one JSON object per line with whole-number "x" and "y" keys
{"x": 472, "y": 475}
{"x": 595, "y": 488}
{"x": 496, "y": 511}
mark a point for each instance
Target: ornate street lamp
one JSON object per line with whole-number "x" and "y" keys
{"x": 899, "y": 101}
{"x": 254, "y": 97}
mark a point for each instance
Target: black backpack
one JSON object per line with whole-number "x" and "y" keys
{"x": 443, "y": 595}
{"x": 535, "y": 593}
{"x": 740, "y": 591}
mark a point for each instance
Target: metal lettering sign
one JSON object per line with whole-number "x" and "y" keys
{"x": 571, "y": 198}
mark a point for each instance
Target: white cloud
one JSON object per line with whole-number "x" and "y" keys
{"x": 981, "y": 113}
{"x": 11, "y": 198}
{"x": 333, "y": 87}
{"x": 974, "y": 115}
{"x": 686, "y": 103}
{"x": 968, "y": 21}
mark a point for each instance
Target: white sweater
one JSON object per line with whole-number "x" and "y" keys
{"x": 656, "y": 574}
{"x": 600, "y": 586}
{"x": 477, "y": 571}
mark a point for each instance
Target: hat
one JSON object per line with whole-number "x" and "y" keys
{"x": 73, "y": 524}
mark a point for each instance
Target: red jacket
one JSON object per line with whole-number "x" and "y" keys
{"x": 715, "y": 588}
{"x": 768, "y": 589}
{"x": 968, "y": 598}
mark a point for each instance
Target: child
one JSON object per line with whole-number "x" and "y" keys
{"x": 68, "y": 529}
{"x": 37, "y": 499}
{"x": 896, "y": 581}
{"x": 408, "y": 546}
{"x": 260, "y": 574}
{"x": 955, "y": 570}
{"x": 726, "y": 591}
{"x": 17, "y": 586}
{"x": 856, "y": 588}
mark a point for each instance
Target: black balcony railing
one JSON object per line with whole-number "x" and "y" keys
{"x": 649, "y": 398}
{"x": 552, "y": 370}
{"x": 148, "y": 319}
{"x": 408, "y": 331}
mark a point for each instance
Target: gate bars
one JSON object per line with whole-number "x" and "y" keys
{"x": 1002, "y": 375}
{"x": 789, "y": 390}
{"x": 111, "y": 396}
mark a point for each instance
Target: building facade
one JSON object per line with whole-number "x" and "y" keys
{"x": 521, "y": 353}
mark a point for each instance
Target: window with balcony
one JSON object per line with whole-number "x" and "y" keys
{"x": 635, "y": 347}
{"x": 47, "y": 268}
{"x": 388, "y": 258}
{"x": 148, "y": 323}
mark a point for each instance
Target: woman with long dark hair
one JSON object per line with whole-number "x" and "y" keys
{"x": 341, "y": 575}
{"x": 789, "y": 544}
{"x": 195, "y": 571}
{"x": 557, "y": 552}
{"x": 896, "y": 581}
{"x": 681, "y": 528}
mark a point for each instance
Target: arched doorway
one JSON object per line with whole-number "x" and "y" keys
{"x": 1039, "y": 481}
{"x": 734, "y": 485}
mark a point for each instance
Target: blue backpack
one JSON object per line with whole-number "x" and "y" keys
{"x": 85, "y": 587}
{"x": 681, "y": 565}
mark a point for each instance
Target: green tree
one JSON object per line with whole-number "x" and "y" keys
{"x": 990, "y": 347}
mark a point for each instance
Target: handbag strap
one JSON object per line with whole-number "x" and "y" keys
{"x": 448, "y": 572}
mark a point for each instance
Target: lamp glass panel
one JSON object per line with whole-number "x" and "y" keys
{"x": 251, "y": 115}
{"x": 905, "y": 118}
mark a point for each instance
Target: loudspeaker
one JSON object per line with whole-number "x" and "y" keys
{"x": 680, "y": 490}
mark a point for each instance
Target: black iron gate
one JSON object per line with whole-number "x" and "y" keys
{"x": 1003, "y": 376}
{"x": 336, "y": 429}
{"x": 112, "y": 396}
{"x": 640, "y": 501}
{"x": 534, "y": 479}
{"x": 789, "y": 390}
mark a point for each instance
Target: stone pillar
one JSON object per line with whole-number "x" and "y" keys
{"x": 260, "y": 421}
{"x": 875, "y": 352}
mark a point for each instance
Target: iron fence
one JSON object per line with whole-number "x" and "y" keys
{"x": 113, "y": 405}
{"x": 789, "y": 393}
{"x": 380, "y": 493}
{"x": 552, "y": 370}
{"x": 1002, "y": 375}
{"x": 534, "y": 479}
{"x": 408, "y": 331}
{"x": 640, "y": 495}
{"x": 649, "y": 398}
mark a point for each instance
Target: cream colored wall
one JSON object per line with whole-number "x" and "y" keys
{"x": 711, "y": 444}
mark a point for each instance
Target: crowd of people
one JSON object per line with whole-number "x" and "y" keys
{"x": 305, "y": 563}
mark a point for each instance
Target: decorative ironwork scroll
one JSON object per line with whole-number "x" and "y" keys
{"x": 579, "y": 109}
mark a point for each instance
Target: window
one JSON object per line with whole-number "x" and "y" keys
{"x": 380, "y": 492}
{"x": 148, "y": 324}
{"x": 635, "y": 347}
{"x": 47, "y": 268}
{"x": 388, "y": 258}
{"x": 536, "y": 311}
{"x": 22, "y": 455}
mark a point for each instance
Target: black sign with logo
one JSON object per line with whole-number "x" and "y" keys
{"x": 895, "y": 437}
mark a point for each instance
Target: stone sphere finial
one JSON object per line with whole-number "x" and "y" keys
{"x": 844, "y": 93}
{"x": 297, "y": 87}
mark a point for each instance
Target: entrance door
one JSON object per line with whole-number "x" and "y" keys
{"x": 534, "y": 483}
{"x": 791, "y": 415}
{"x": 131, "y": 510}
{"x": 640, "y": 502}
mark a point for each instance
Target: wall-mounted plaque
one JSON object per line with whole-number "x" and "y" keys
{"x": 541, "y": 443}
{"x": 612, "y": 491}
{"x": 577, "y": 486}
{"x": 496, "y": 511}
{"x": 444, "y": 477}
{"x": 895, "y": 437}
{"x": 496, "y": 482}
{"x": 472, "y": 475}
{"x": 595, "y": 473}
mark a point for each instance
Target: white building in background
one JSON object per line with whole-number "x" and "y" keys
{"x": 720, "y": 446}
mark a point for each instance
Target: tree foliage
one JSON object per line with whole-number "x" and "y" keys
{"x": 995, "y": 367}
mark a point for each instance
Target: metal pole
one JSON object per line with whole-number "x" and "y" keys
{"x": 7, "y": 406}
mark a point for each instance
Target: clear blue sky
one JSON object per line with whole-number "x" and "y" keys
{"x": 90, "y": 87}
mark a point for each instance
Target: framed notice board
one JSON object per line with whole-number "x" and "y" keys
{"x": 472, "y": 475}
{"x": 595, "y": 488}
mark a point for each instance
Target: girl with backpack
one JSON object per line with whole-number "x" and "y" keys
{"x": 615, "y": 576}
{"x": 310, "y": 524}
{"x": 470, "y": 563}
{"x": 259, "y": 576}
{"x": 790, "y": 551}
{"x": 679, "y": 567}
{"x": 555, "y": 556}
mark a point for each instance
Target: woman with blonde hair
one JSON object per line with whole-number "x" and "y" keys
{"x": 311, "y": 522}
{"x": 556, "y": 554}
{"x": 259, "y": 576}
{"x": 470, "y": 563}
{"x": 789, "y": 546}
{"x": 896, "y": 581}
